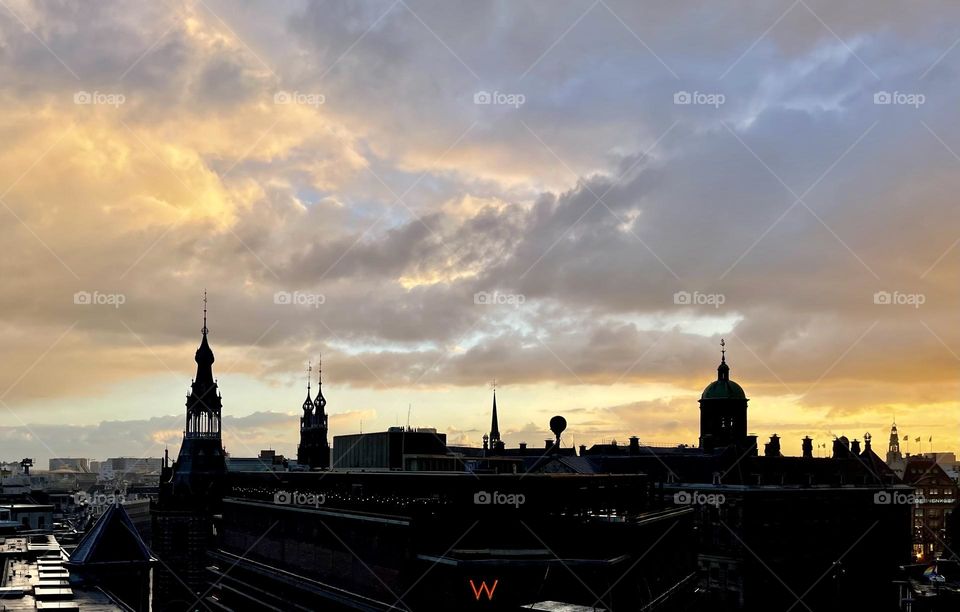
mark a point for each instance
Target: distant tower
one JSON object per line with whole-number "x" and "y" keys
{"x": 314, "y": 449}
{"x": 893, "y": 451}
{"x": 191, "y": 491}
{"x": 494, "y": 422}
{"x": 494, "y": 438}
{"x": 723, "y": 410}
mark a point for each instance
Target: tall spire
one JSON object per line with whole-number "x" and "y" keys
{"x": 320, "y": 402}
{"x": 308, "y": 403}
{"x": 204, "y": 356}
{"x": 494, "y": 424}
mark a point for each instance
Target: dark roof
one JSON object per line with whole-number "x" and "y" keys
{"x": 113, "y": 538}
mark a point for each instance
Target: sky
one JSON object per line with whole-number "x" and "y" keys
{"x": 577, "y": 199}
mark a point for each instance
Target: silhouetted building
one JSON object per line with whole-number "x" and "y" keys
{"x": 398, "y": 448}
{"x": 893, "y": 450}
{"x": 113, "y": 557}
{"x": 37, "y": 576}
{"x": 773, "y": 530}
{"x": 69, "y": 463}
{"x": 342, "y": 540}
{"x": 191, "y": 492}
{"x": 936, "y": 499}
{"x": 314, "y": 449}
{"x": 723, "y": 413}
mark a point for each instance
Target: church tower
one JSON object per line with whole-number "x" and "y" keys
{"x": 723, "y": 411}
{"x": 893, "y": 451}
{"x": 314, "y": 449}
{"x": 494, "y": 425}
{"x": 191, "y": 491}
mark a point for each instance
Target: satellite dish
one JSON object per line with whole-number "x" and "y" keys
{"x": 557, "y": 425}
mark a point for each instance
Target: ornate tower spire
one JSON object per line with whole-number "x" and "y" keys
{"x": 314, "y": 449}
{"x": 308, "y": 403}
{"x": 203, "y": 403}
{"x": 321, "y": 402}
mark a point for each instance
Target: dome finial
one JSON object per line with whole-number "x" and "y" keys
{"x": 723, "y": 350}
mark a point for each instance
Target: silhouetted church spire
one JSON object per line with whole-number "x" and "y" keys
{"x": 494, "y": 423}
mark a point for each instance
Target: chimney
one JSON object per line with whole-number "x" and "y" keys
{"x": 772, "y": 448}
{"x": 841, "y": 447}
{"x": 807, "y": 447}
{"x": 523, "y": 446}
{"x": 855, "y": 447}
{"x": 634, "y": 445}
{"x": 583, "y": 450}
{"x": 548, "y": 443}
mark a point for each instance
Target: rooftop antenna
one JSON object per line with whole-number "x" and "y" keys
{"x": 409, "y": 408}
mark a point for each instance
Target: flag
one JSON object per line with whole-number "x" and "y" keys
{"x": 918, "y": 439}
{"x": 906, "y": 438}
{"x": 930, "y": 440}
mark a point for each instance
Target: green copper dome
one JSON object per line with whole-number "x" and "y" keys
{"x": 723, "y": 387}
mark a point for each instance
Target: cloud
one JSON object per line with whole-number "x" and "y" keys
{"x": 382, "y": 194}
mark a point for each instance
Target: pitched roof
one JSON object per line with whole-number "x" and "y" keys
{"x": 113, "y": 538}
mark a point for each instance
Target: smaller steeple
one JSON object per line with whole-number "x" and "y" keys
{"x": 321, "y": 402}
{"x": 308, "y": 403}
{"x": 723, "y": 370}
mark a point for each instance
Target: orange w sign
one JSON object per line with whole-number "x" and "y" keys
{"x": 484, "y": 589}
